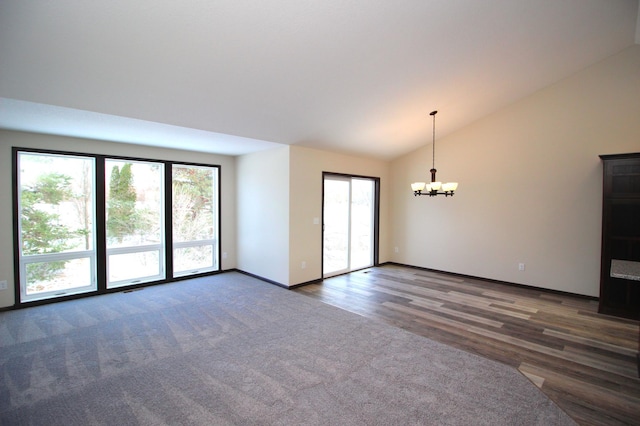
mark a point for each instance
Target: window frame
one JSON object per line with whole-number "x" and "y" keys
{"x": 160, "y": 248}
{"x": 23, "y": 261}
{"x": 100, "y": 225}
{"x": 213, "y": 242}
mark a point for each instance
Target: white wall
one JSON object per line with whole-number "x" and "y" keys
{"x": 263, "y": 214}
{"x": 276, "y": 211}
{"x": 9, "y": 139}
{"x": 305, "y": 239}
{"x": 530, "y": 183}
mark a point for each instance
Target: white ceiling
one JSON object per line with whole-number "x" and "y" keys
{"x": 235, "y": 76}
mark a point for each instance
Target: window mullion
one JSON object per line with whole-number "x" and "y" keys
{"x": 168, "y": 219}
{"x": 101, "y": 217}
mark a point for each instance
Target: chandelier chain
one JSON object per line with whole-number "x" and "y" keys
{"x": 433, "y": 156}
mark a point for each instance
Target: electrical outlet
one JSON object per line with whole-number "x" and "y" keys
{"x": 396, "y": 249}
{"x": 520, "y": 266}
{"x": 224, "y": 254}
{"x": 3, "y": 285}
{"x": 303, "y": 265}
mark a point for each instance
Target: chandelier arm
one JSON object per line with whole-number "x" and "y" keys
{"x": 433, "y": 193}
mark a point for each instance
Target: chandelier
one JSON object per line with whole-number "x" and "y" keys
{"x": 434, "y": 187}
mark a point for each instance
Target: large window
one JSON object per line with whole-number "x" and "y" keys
{"x": 134, "y": 222}
{"x": 56, "y": 211}
{"x": 86, "y": 223}
{"x": 195, "y": 223}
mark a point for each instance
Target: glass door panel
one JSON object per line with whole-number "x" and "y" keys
{"x": 337, "y": 199}
{"x": 134, "y": 222}
{"x": 362, "y": 191}
{"x": 56, "y": 203}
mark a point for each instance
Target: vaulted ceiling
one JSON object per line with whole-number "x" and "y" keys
{"x": 234, "y": 76}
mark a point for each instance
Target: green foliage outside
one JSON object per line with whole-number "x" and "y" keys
{"x": 42, "y": 231}
{"x": 122, "y": 203}
{"x": 124, "y": 219}
{"x": 192, "y": 203}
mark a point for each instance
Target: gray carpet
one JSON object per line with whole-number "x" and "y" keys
{"x": 231, "y": 349}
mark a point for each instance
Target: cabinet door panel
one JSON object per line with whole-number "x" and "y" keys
{"x": 620, "y": 233}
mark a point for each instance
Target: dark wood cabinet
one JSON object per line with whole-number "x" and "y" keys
{"x": 620, "y": 264}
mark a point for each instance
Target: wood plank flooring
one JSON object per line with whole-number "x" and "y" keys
{"x": 584, "y": 361}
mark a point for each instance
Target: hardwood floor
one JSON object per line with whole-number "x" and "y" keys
{"x": 584, "y": 361}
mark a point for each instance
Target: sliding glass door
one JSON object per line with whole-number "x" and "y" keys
{"x": 56, "y": 228}
{"x": 349, "y": 224}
